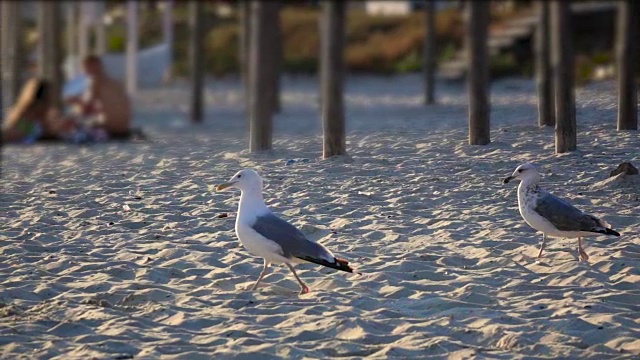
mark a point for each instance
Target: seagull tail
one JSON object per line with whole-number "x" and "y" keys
{"x": 611, "y": 232}
{"x": 606, "y": 231}
{"x": 338, "y": 263}
{"x": 605, "y": 228}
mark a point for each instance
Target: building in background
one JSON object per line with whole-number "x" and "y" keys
{"x": 402, "y": 7}
{"x": 389, "y": 8}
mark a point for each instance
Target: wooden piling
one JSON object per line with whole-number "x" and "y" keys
{"x": 196, "y": 22}
{"x": 72, "y": 14}
{"x": 627, "y": 50}
{"x": 167, "y": 36}
{"x": 260, "y": 76}
{"x": 319, "y": 97}
{"x": 478, "y": 72}
{"x": 12, "y": 49}
{"x": 100, "y": 45}
{"x": 2, "y": 30}
{"x": 277, "y": 39}
{"x": 82, "y": 29}
{"x": 562, "y": 62}
{"x": 544, "y": 79}
{"x": 50, "y": 48}
{"x": 429, "y": 67}
{"x": 332, "y": 76}
{"x": 245, "y": 35}
{"x": 132, "y": 47}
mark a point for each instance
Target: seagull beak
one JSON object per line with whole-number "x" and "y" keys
{"x": 507, "y": 179}
{"x": 224, "y": 186}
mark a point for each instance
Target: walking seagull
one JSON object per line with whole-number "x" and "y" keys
{"x": 266, "y": 235}
{"x": 551, "y": 215}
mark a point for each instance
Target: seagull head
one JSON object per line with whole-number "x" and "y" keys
{"x": 243, "y": 180}
{"x": 523, "y": 172}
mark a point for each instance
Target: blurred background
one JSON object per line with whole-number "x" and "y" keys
{"x": 382, "y": 37}
{"x": 147, "y": 44}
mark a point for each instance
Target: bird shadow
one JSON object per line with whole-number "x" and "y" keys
{"x": 272, "y": 289}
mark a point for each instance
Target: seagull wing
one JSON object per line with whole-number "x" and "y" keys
{"x": 566, "y": 217}
{"x": 294, "y": 244}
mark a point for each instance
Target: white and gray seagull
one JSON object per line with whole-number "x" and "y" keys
{"x": 266, "y": 235}
{"x": 551, "y": 215}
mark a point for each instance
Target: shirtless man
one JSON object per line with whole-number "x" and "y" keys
{"x": 105, "y": 101}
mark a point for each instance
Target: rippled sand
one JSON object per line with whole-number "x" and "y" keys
{"x": 449, "y": 266}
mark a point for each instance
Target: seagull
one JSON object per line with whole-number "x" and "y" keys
{"x": 267, "y": 236}
{"x": 551, "y": 215}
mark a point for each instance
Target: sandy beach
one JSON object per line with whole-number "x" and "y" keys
{"x": 449, "y": 267}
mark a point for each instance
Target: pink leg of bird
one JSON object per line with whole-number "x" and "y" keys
{"x": 544, "y": 240}
{"x": 583, "y": 254}
{"x": 304, "y": 289}
{"x": 265, "y": 269}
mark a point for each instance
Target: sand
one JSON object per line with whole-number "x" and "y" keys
{"x": 449, "y": 266}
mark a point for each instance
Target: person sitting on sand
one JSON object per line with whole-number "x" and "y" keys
{"x": 105, "y": 104}
{"x": 32, "y": 117}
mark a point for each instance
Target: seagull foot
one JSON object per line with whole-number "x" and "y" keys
{"x": 304, "y": 290}
{"x": 583, "y": 255}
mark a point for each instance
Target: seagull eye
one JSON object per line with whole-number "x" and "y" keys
{"x": 519, "y": 170}
{"x": 239, "y": 176}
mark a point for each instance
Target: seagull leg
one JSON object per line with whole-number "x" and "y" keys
{"x": 544, "y": 241}
{"x": 304, "y": 288}
{"x": 262, "y": 274}
{"x": 583, "y": 254}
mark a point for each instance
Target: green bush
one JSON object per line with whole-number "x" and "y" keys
{"x": 410, "y": 63}
{"x": 504, "y": 65}
{"x": 222, "y": 50}
{"x": 116, "y": 40}
{"x": 373, "y": 43}
{"x": 584, "y": 67}
{"x": 603, "y": 58}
